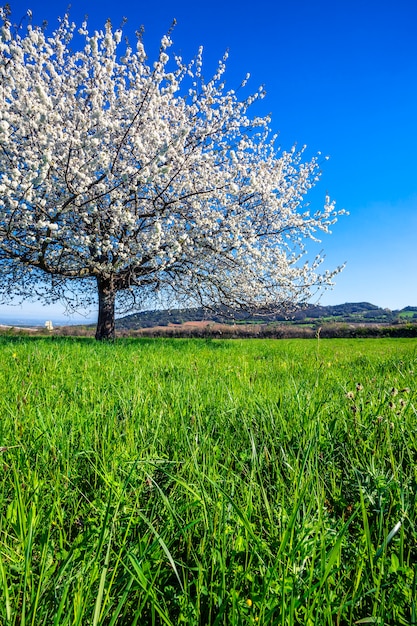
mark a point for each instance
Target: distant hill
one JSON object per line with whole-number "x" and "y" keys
{"x": 350, "y": 312}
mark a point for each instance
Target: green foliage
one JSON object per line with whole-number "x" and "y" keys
{"x": 350, "y": 312}
{"x": 208, "y": 482}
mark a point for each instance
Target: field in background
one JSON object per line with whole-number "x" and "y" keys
{"x": 170, "y": 481}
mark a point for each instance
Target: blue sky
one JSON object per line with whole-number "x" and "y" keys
{"x": 340, "y": 77}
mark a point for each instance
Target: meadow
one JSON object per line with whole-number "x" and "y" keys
{"x": 208, "y": 482}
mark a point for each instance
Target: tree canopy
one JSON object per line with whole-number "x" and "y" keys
{"x": 122, "y": 177}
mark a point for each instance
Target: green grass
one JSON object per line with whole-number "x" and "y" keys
{"x": 208, "y": 482}
{"x": 406, "y": 314}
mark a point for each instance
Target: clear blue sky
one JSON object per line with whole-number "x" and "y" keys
{"x": 341, "y": 77}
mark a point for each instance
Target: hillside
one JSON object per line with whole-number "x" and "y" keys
{"x": 356, "y": 312}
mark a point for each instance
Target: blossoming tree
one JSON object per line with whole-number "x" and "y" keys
{"x": 120, "y": 179}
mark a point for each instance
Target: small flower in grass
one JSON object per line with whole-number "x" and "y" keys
{"x": 14, "y": 355}
{"x": 405, "y": 390}
{"x": 394, "y": 391}
{"x": 359, "y": 387}
{"x": 350, "y": 395}
{"x": 249, "y": 602}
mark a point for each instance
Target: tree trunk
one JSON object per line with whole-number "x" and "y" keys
{"x": 106, "y": 309}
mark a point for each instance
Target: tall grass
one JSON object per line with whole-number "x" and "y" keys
{"x": 208, "y": 482}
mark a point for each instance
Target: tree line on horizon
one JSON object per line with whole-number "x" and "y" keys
{"x": 359, "y": 312}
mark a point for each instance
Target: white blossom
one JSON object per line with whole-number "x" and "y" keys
{"x": 139, "y": 179}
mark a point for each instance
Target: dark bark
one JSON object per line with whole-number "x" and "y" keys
{"x": 106, "y": 309}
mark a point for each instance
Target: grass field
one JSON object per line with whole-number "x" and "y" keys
{"x": 208, "y": 482}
